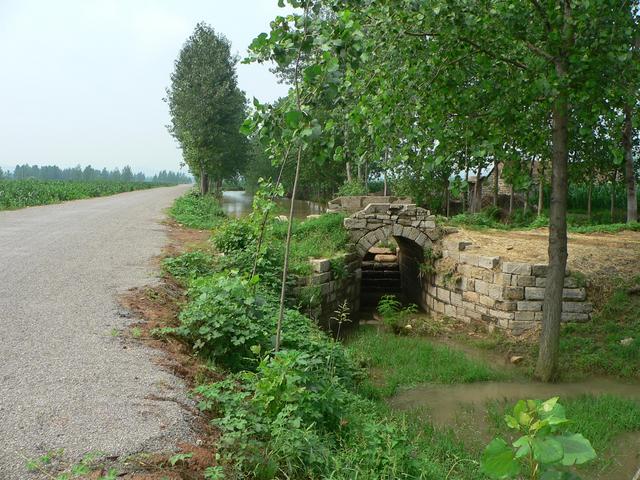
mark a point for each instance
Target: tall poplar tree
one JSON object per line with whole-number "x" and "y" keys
{"x": 207, "y": 108}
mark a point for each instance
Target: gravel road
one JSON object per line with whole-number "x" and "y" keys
{"x": 66, "y": 381}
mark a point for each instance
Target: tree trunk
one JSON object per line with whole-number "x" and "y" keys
{"x": 612, "y": 199}
{"x": 465, "y": 195}
{"x": 360, "y": 172}
{"x": 446, "y": 198}
{"x": 540, "y": 189}
{"x": 589, "y": 189}
{"x": 476, "y": 202}
{"x": 385, "y": 184}
{"x": 547, "y": 365}
{"x": 496, "y": 180}
{"x": 629, "y": 172}
{"x": 218, "y": 187}
{"x": 348, "y": 172}
{"x": 511, "y": 195}
{"x": 204, "y": 182}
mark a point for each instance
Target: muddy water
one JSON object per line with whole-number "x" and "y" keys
{"x": 237, "y": 204}
{"x": 463, "y": 407}
{"x": 443, "y": 402}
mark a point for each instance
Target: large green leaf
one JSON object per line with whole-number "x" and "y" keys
{"x": 498, "y": 460}
{"x": 293, "y": 118}
{"x": 547, "y": 450}
{"x": 577, "y": 449}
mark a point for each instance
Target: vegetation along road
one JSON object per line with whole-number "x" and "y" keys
{"x": 66, "y": 379}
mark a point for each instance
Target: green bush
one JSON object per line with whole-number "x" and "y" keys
{"x": 394, "y": 315}
{"x": 189, "y": 265}
{"x": 352, "y": 189}
{"x": 196, "y": 211}
{"x": 235, "y": 235}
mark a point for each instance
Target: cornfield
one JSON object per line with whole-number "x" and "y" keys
{"x": 26, "y": 193}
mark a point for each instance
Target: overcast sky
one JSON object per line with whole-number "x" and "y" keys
{"x": 82, "y": 81}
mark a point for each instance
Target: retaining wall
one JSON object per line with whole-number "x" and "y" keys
{"x": 332, "y": 282}
{"x": 469, "y": 286}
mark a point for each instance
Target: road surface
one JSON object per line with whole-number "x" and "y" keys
{"x": 66, "y": 380}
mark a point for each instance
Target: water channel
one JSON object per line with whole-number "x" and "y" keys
{"x": 238, "y": 203}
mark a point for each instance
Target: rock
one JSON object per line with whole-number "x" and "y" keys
{"x": 312, "y": 216}
{"x": 408, "y": 326}
{"x": 282, "y": 218}
{"x": 625, "y": 342}
{"x": 386, "y": 258}
{"x": 516, "y": 359}
{"x": 381, "y": 251}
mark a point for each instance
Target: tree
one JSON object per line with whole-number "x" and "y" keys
{"x": 207, "y": 108}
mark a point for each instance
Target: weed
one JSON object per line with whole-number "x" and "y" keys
{"x": 196, "y": 211}
{"x": 136, "y": 332}
{"x": 394, "y": 315}
{"x": 406, "y": 361}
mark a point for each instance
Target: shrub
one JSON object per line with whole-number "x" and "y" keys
{"x": 189, "y": 265}
{"x": 393, "y": 314}
{"x": 352, "y": 188}
{"x": 196, "y": 211}
{"x": 235, "y": 235}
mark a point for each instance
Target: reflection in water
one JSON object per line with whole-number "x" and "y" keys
{"x": 237, "y": 204}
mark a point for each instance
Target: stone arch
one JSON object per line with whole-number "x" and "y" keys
{"x": 413, "y": 228}
{"x": 379, "y": 221}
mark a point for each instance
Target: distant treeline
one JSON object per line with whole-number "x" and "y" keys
{"x": 88, "y": 173}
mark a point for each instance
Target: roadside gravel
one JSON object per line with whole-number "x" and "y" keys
{"x": 66, "y": 378}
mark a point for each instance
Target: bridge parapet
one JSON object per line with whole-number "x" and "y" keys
{"x": 379, "y": 221}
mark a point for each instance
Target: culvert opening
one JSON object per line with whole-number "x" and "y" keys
{"x": 391, "y": 267}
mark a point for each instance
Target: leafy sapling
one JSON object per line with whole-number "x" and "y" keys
{"x": 544, "y": 451}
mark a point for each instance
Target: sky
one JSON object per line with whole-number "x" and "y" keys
{"x": 82, "y": 81}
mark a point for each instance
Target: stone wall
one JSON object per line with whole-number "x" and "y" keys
{"x": 352, "y": 204}
{"x": 469, "y": 286}
{"x": 332, "y": 282}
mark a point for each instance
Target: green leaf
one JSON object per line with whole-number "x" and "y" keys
{"x": 293, "y": 118}
{"x": 546, "y": 450}
{"x": 498, "y": 460}
{"x": 523, "y": 447}
{"x": 577, "y": 449}
{"x": 179, "y": 457}
{"x": 311, "y": 72}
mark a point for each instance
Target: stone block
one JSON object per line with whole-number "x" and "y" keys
{"x": 438, "y": 306}
{"x": 473, "y": 314}
{"x": 575, "y": 317}
{"x": 513, "y": 293}
{"x": 482, "y": 274}
{"x": 443, "y": 294}
{"x": 467, "y": 284}
{"x": 469, "y": 259}
{"x": 577, "y": 307}
{"x": 422, "y": 239}
{"x": 456, "y": 299}
{"x": 397, "y": 229}
{"x": 481, "y": 309}
{"x": 488, "y": 262}
{"x": 534, "y": 293}
{"x": 500, "y": 278}
{"x": 482, "y": 287}
{"x": 501, "y": 314}
{"x": 516, "y": 268}
{"x": 529, "y": 306}
{"x": 495, "y": 291}
{"x": 525, "y": 281}
{"x": 487, "y": 301}
{"x": 539, "y": 269}
{"x": 506, "y": 306}
{"x": 320, "y": 265}
{"x": 575, "y": 294}
{"x": 319, "y": 278}
{"x": 450, "y": 311}
{"x": 524, "y": 316}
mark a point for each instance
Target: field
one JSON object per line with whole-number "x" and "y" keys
{"x": 27, "y": 193}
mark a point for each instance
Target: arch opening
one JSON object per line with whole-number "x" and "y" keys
{"x": 391, "y": 267}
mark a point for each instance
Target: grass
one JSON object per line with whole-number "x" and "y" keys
{"x": 489, "y": 218}
{"x": 321, "y": 237}
{"x": 195, "y": 211}
{"x": 406, "y": 361}
{"x": 594, "y": 347}
{"x": 586, "y": 349}
{"x": 27, "y": 193}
